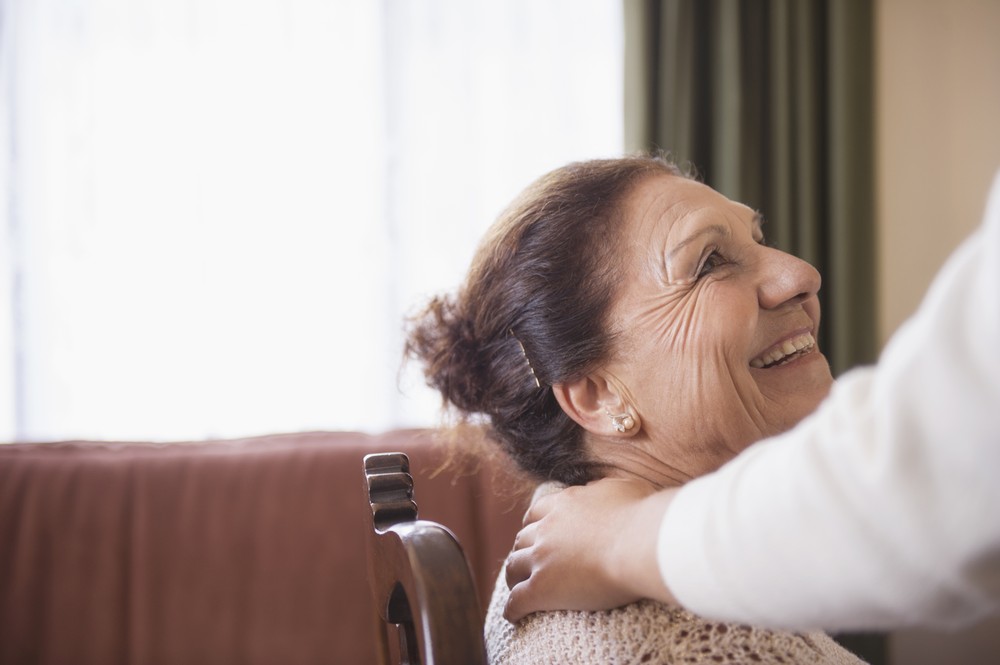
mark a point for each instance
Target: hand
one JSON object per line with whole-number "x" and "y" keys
{"x": 588, "y": 548}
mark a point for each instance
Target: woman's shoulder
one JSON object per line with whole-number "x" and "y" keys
{"x": 644, "y": 632}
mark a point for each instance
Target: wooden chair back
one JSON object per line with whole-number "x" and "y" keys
{"x": 420, "y": 579}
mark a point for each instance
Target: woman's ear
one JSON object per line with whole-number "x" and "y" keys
{"x": 596, "y": 404}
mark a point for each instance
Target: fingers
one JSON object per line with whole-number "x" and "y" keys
{"x": 538, "y": 509}
{"x": 518, "y": 568}
{"x": 525, "y": 537}
{"x": 527, "y": 592}
{"x": 518, "y": 565}
{"x": 518, "y": 577}
{"x": 515, "y": 609}
{"x": 521, "y": 601}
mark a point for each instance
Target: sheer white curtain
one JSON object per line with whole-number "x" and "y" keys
{"x": 217, "y": 212}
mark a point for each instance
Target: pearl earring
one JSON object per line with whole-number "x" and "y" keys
{"x": 622, "y": 422}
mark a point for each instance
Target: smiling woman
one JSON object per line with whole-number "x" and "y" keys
{"x": 219, "y": 211}
{"x": 623, "y": 320}
{"x": 700, "y": 301}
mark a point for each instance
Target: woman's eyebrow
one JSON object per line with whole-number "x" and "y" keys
{"x": 714, "y": 229}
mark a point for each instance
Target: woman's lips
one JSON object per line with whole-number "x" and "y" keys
{"x": 785, "y": 351}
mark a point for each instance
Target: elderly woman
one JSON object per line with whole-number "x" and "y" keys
{"x": 623, "y": 320}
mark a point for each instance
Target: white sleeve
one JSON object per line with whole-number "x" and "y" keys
{"x": 880, "y": 510}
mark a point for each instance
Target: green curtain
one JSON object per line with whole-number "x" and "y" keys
{"x": 770, "y": 101}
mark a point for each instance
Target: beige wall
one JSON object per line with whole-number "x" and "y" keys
{"x": 938, "y": 147}
{"x": 938, "y": 129}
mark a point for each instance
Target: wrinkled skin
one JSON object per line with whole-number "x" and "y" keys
{"x": 701, "y": 297}
{"x": 702, "y": 304}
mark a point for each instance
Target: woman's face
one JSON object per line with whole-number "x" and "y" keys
{"x": 716, "y": 332}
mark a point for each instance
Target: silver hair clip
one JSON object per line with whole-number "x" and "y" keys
{"x": 526, "y": 359}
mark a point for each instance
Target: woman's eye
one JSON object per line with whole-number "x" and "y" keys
{"x": 711, "y": 262}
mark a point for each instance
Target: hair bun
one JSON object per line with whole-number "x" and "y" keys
{"x": 442, "y": 338}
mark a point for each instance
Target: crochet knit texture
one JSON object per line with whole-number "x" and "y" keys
{"x": 644, "y": 632}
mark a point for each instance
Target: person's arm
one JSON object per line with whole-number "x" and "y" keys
{"x": 879, "y": 510}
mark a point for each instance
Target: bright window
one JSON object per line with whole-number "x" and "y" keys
{"x": 217, "y": 212}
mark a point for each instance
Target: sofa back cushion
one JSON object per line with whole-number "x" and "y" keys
{"x": 239, "y": 551}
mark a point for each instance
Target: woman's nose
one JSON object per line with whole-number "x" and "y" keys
{"x": 786, "y": 279}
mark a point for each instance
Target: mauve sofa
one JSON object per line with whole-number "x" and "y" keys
{"x": 239, "y": 551}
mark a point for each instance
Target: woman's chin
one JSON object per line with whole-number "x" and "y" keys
{"x": 800, "y": 384}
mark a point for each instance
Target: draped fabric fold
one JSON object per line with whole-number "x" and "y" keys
{"x": 771, "y": 103}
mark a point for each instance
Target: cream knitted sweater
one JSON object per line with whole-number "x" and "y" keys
{"x": 644, "y": 632}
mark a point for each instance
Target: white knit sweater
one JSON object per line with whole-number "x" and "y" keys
{"x": 644, "y": 632}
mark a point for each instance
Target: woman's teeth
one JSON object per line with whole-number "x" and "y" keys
{"x": 792, "y": 347}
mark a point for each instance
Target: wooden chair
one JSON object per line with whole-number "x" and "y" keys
{"x": 420, "y": 579}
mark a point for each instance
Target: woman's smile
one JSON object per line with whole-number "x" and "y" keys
{"x": 785, "y": 352}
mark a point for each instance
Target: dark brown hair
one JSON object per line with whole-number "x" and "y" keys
{"x": 535, "y": 307}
